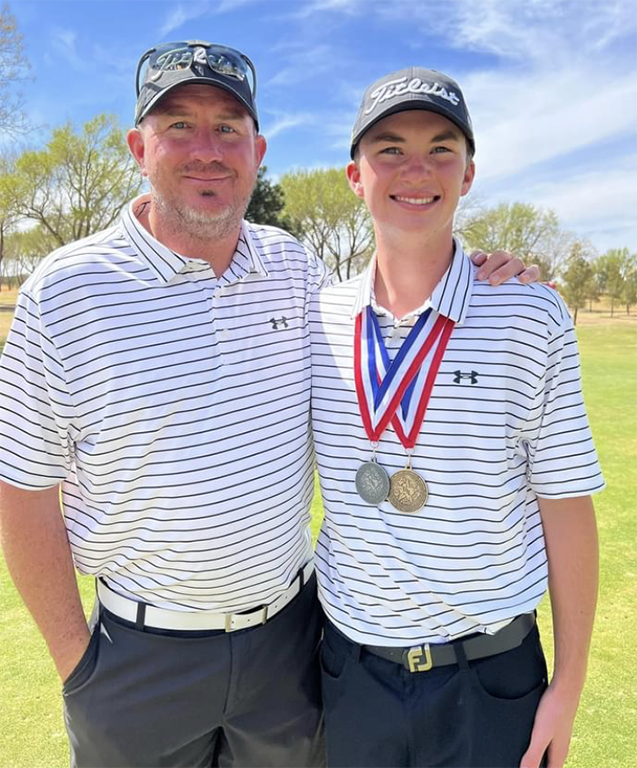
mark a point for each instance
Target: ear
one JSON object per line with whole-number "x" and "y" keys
{"x": 354, "y": 177}
{"x": 260, "y": 146}
{"x": 467, "y": 181}
{"x": 135, "y": 141}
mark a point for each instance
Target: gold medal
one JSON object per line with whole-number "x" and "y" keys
{"x": 408, "y": 491}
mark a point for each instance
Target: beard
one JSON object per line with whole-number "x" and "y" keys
{"x": 197, "y": 223}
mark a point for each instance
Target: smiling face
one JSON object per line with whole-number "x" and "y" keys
{"x": 201, "y": 153}
{"x": 411, "y": 169}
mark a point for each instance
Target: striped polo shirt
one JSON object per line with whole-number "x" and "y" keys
{"x": 505, "y": 424}
{"x": 173, "y": 406}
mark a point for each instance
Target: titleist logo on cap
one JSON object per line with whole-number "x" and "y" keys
{"x": 401, "y": 86}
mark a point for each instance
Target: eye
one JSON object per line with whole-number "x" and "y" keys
{"x": 391, "y": 151}
{"x": 179, "y": 125}
{"x": 439, "y": 150}
{"x": 227, "y": 129}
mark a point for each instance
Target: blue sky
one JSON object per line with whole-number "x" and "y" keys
{"x": 551, "y": 84}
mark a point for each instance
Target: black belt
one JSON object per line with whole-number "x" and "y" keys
{"x": 422, "y": 658}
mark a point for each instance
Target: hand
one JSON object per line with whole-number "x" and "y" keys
{"x": 552, "y": 729}
{"x": 74, "y": 651}
{"x": 502, "y": 265}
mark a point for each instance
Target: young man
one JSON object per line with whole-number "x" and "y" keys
{"x": 456, "y": 464}
{"x": 147, "y": 376}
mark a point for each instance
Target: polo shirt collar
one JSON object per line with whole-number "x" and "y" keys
{"x": 166, "y": 263}
{"x": 450, "y": 297}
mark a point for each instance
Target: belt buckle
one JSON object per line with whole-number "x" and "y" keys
{"x": 228, "y": 627}
{"x": 419, "y": 658}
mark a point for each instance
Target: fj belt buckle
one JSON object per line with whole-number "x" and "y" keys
{"x": 419, "y": 658}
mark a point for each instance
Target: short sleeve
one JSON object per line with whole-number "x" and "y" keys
{"x": 563, "y": 461}
{"x": 35, "y": 407}
{"x": 319, "y": 274}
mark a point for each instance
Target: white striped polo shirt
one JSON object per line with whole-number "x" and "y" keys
{"x": 505, "y": 424}
{"x": 174, "y": 408}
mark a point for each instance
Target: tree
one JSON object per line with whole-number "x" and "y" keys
{"x": 78, "y": 183}
{"x": 577, "y": 279}
{"x": 8, "y": 216}
{"x": 530, "y": 233}
{"x": 267, "y": 204}
{"x": 629, "y": 292}
{"x": 23, "y": 252}
{"x": 335, "y": 224}
{"x": 14, "y": 67}
{"x": 470, "y": 207}
{"x": 611, "y": 268}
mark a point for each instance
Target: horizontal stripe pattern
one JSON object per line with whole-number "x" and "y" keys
{"x": 474, "y": 556}
{"x": 173, "y": 407}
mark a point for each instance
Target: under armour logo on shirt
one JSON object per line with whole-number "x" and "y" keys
{"x": 276, "y": 322}
{"x": 458, "y": 376}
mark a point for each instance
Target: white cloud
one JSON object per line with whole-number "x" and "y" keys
{"x": 285, "y": 122}
{"x": 599, "y": 204}
{"x": 523, "y": 120}
{"x": 522, "y": 30}
{"x": 63, "y": 42}
{"x": 310, "y": 7}
{"x": 180, "y": 14}
{"x": 317, "y": 60}
{"x": 229, "y": 6}
{"x": 185, "y": 12}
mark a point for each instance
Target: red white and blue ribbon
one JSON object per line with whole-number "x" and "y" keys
{"x": 397, "y": 391}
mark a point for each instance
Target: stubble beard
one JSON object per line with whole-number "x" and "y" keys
{"x": 198, "y": 224}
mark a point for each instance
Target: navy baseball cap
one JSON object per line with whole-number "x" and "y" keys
{"x": 412, "y": 88}
{"x": 168, "y": 65}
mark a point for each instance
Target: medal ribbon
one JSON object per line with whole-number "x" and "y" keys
{"x": 381, "y": 386}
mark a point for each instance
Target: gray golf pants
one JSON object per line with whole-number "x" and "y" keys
{"x": 248, "y": 698}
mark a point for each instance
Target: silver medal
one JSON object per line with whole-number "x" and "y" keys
{"x": 372, "y": 483}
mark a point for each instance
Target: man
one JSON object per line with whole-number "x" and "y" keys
{"x": 455, "y": 463}
{"x": 159, "y": 373}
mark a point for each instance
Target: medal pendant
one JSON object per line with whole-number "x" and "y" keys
{"x": 408, "y": 491}
{"x": 372, "y": 483}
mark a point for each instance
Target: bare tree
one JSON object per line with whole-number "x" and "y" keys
{"x": 14, "y": 68}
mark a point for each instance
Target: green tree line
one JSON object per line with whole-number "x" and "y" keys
{"x": 80, "y": 180}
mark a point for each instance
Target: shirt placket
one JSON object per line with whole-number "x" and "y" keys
{"x": 211, "y": 289}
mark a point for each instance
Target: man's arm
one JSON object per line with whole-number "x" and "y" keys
{"x": 38, "y": 556}
{"x": 570, "y": 533}
{"x": 501, "y": 265}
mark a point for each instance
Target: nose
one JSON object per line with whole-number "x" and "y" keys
{"x": 206, "y": 146}
{"x": 417, "y": 167}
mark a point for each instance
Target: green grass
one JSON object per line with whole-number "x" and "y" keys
{"x": 31, "y": 728}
